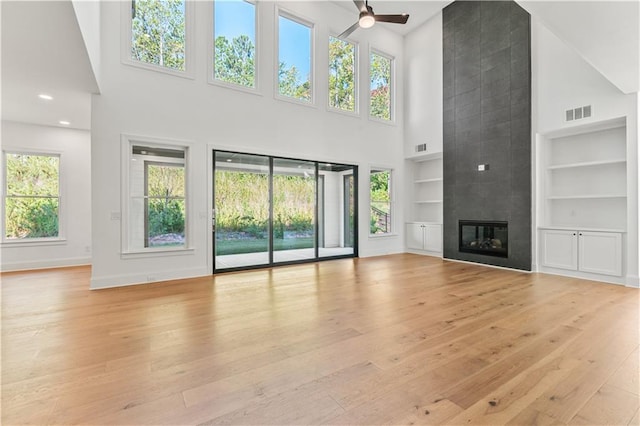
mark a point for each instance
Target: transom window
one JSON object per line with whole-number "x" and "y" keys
{"x": 295, "y": 58}
{"x": 158, "y": 32}
{"x": 342, "y": 74}
{"x": 31, "y": 196}
{"x": 381, "y": 74}
{"x": 235, "y": 42}
{"x": 381, "y": 201}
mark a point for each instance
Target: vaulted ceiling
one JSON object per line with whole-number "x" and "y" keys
{"x": 43, "y": 49}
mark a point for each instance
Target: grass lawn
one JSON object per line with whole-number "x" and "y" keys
{"x": 224, "y": 247}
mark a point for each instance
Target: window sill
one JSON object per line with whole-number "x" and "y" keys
{"x": 232, "y": 86}
{"x": 288, "y": 99}
{"x": 187, "y": 73}
{"x": 35, "y": 242}
{"x": 391, "y": 234}
{"x": 354, "y": 114}
{"x": 159, "y": 252}
{"x": 383, "y": 121}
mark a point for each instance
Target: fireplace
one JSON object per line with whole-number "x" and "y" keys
{"x": 482, "y": 237}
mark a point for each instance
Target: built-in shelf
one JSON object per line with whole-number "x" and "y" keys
{"x": 427, "y": 157}
{"x": 585, "y": 197}
{"x": 428, "y": 180}
{"x": 586, "y": 164}
{"x": 428, "y": 201}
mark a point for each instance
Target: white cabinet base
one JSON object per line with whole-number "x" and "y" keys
{"x": 592, "y": 255}
{"x": 424, "y": 237}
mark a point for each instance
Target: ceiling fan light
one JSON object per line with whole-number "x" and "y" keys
{"x": 366, "y": 20}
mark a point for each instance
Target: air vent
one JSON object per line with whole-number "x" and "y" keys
{"x": 422, "y": 147}
{"x": 578, "y": 113}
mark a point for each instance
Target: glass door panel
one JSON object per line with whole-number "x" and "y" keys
{"x": 336, "y": 220}
{"x": 241, "y": 206}
{"x": 294, "y": 210}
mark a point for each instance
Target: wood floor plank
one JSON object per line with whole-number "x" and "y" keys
{"x": 399, "y": 339}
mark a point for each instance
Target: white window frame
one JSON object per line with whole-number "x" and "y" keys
{"x": 312, "y": 39}
{"x": 60, "y": 239}
{"x": 189, "y": 42}
{"x": 392, "y": 87}
{"x": 392, "y": 209}
{"x": 127, "y": 144}
{"x": 356, "y": 76}
{"x": 211, "y": 79}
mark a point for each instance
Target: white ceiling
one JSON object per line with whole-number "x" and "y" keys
{"x": 605, "y": 33}
{"x": 43, "y": 52}
{"x": 420, "y": 11}
{"x": 43, "y": 49}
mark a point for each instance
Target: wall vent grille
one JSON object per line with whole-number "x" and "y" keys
{"x": 578, "y": 113}
{"x": 422, "y": 147}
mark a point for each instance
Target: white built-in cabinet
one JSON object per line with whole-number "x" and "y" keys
{"x": 424, "y": 236}
{"x": 582, "y": 198}
{"x": 424, "y": 224}
{"x": 593, "y": 252}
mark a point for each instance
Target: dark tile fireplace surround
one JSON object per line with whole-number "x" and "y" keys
{"x": 487, "y": 133}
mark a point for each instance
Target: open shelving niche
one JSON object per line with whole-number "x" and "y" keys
{"x": 585, "y": 178}
{"x": 424, "y": 221}
{"x": 427, "y": 188}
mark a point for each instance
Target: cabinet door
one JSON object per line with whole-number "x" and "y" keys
{"x": 433, "y": 238}
{"x": 600, "y": 252}
{"x": 415, "y": 236}
{"x": 559, "y": 249}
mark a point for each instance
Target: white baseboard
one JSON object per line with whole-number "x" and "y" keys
{"x": 122, "y": 280}
{"x": 382, "y": 252}
{"x": 425, "y": 253}
{"x": 633, "y": 281}
{"x": 45, "y": 264}
{"x": 585, "y": 276}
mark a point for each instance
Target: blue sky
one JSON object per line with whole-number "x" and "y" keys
{"x": 237, "y": 17}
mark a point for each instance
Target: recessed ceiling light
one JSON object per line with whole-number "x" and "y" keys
{"x": 45, "y": 97}
{"x": 64, "y": 122}
{"x": 229, "y": 160}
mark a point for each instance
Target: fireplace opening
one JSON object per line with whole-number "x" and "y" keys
{"x": 483, "y": 237}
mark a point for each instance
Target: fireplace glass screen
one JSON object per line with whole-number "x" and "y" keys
{"x": 482, "y": 237}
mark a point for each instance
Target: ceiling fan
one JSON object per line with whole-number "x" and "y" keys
{"x": 368, "y": 18}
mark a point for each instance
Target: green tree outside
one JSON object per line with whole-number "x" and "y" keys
{"x": 32, "y": 196}
{"x": 235, "y": 60}
{"x": 342, "y": 92}
{"x": 158, "y": 32}
{"x": 380, "y": 103}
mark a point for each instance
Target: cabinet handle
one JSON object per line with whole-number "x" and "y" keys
{"x": 574, "y": 234}
{"x": 580, "y": 234}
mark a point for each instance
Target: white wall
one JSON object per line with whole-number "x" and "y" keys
{"x": 74, "y": 147}
{"x": 423, "y": 80}
{"x": 141, "y": 102}
{"x": 563, "y": 80}
{"x": 88, "y": 16}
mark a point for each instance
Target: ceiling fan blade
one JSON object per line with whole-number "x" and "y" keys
{"x": 394, "y": 19}
{"x": 346, "y": 33}
{"x": 362, "y": 7}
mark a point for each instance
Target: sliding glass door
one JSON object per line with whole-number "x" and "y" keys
{"x": 241, "y": 210}
{"x": 271, "y": 210}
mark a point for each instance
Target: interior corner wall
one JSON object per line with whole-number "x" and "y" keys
{"x": 423, "y": 79}
{"x": 74, "y": 147}
{"x": 487, "y": 120}
{"x": 137, "y": 101}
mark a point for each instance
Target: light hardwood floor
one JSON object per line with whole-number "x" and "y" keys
{"x": 400, "y": 339}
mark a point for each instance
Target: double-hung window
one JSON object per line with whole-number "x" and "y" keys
{"x": 158, "y": 35}
{"x": 381, "y": 201}
{"x": 342, "y": 75}
{"x": 156, "y": 197}
{"x": 381, "y": 86}
{"x": 31, "y": 202}
{"x": 234, "y": 47}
